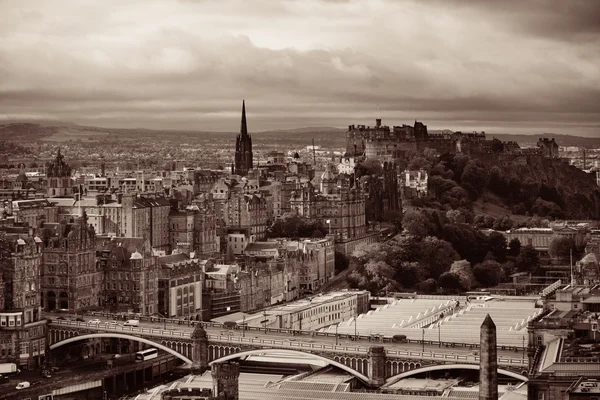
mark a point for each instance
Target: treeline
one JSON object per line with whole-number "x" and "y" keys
{"x": 456, "y": 181}
{"x": 438, "y": 254}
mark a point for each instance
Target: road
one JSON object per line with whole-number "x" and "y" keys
{"x": 305, "y": 341}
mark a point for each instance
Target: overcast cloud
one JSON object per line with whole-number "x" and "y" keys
{"x": 523, "y": 66}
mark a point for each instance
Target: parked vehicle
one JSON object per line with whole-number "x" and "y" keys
{"x": 8, "y": 368}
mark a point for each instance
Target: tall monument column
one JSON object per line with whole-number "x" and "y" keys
{"x": 488, "y": 362}
{"x": 225, "y": 376}
{"x": 200, "y": 350}
{"x": 377, "y": 358}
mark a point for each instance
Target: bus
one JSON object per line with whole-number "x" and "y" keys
{"x": 146, "y": 355}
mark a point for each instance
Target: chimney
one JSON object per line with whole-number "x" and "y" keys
{"x": 119, "y": 198}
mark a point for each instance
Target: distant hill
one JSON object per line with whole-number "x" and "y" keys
{"x": 58, "y": 131}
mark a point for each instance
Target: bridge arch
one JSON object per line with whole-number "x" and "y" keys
{"x": 122, "y": 336}
{"x": 292, "y": 353}
{"x": 443, "y": 367}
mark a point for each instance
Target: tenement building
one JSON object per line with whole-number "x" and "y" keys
{"x": 70, "y": 280}
{"x": 129, "y": 275}
{"x": 22, "y": 329}
{"x": 180, "y": 284}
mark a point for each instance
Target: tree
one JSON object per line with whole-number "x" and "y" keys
{"x": 436, "y": 256}
{"x": 370, "y": 166}
{"x": 374, "y": 276}
{"x": 514, "y": 247}
{"x": 561, "y": 247}
{"x": 417, "y": 224}
{"x": 428, "y": 286}
{"x": 456, "y": 217}
{"x": 408, "y": 274}
{"x": 341, "y": 262}
{"x": 497, "y": 245}
{"x": 449, "y": 281}
{"x": 488, "y": 273}
{"x": 474, "y": 178}
{"x": 394, "y": 217}
{"x": 528, "y": 259}
{"x": 462, "y": 269}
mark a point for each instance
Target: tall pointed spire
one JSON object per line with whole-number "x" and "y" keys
{"x": 244, "y": 127}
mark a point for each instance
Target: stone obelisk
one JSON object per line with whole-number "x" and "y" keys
{"x": 488, "y": 363}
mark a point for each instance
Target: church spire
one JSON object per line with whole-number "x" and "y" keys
{"x": 244, "y": 127}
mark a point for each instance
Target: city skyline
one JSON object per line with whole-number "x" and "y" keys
{"x": 520, "y": 67}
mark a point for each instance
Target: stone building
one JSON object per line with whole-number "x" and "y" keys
{"x": 548, "y": 147}
{"x": 129, "y": 275}
{"x": 70, "y": 279}
{"x": 250, "y": 211}
{"x": 22, "y": 329}
{"x": 180, "y": 283}
{"x": 60, "y": 183}
{"x": 194, "y": 230}
{"x": 243, "y": 148}
{"x": 338, "y": 205}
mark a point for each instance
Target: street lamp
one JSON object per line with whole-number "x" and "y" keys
{"x": 440, "y": 335}
{"x": 164, "y": 320}
{"x": 423, "y": 339}
{"x": 355, "y": 335}
{"x": 243, "y": 325}
{"x": 523, "y": 347}
{"x": 336, "y": 334}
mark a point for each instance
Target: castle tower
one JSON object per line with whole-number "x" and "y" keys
{"x": 488, "y": 364}
{"x": 58, "y": 172}
{"x": 200, "y": 351}
{"x": 225, "y": 377}
{"x": 243, "y": 148}
{"x": 377, "y": 360}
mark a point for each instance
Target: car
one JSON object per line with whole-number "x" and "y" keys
{"x": 60, "y": 318}
{"x": 95, "y": 321}
{"x": 79, "y": 319}
{"x": 23, "y": 385}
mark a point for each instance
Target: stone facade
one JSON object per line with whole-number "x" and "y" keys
{"x": 243, "y": 162}
{"x": 70, "y": 279}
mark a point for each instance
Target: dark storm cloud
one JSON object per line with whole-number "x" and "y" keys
{"x": 187, "y": 64}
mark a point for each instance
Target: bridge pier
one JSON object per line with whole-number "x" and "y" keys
{"x": 200, "y": 350}
{"x": 377, "y": 362}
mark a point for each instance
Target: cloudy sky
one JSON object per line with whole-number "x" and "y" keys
{"x": 522, "y": 66}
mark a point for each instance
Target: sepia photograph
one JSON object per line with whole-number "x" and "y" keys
{"x": 299, "y": 199}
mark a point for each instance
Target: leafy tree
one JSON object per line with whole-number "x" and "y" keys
{"x": 503, "y": 224}
{"x": 370, "y": 166}
{"x": 394, "y": 217}
{"x": 437, "y": 256}
{"x": 462, "y": 269}
{"x": 374, "y": 276}
{"x": 417, "y": 224}
{"x": 561, "y": 247}
{"x": 456, "y": 217}
{"x": 474, "y": 178}
{"x": 514, "y": 247}
{"x": 488, "y": 273}
{"x": 528, "y": 259}
{"x": 428, "y": 286}
{"x": 450, "y": 282}
{"x": 341, "y": 262}
{"x": 438, "y": 185}
{"x": 497, "y": 245}
{"x": 408, "y": 274}
{"x": 295, "y": 226}
{"x": 470, "y": 243}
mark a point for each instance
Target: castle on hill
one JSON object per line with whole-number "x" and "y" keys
{"x": 392, "y": 143}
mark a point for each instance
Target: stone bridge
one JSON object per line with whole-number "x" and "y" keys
{"x": 374, "y": 365}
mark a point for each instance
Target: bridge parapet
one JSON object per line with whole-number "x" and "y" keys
{"x": 175, "y": 336}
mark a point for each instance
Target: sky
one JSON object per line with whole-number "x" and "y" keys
{"x": 510, "y": 66}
